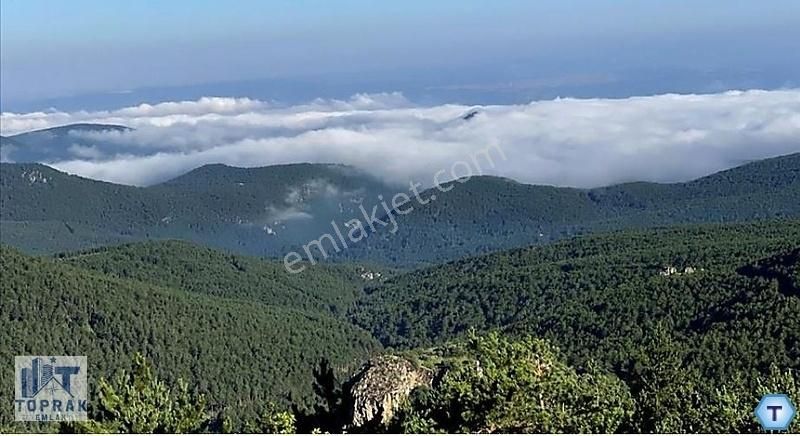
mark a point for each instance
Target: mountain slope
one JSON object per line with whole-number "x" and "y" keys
{"x": 240, "y": 352}
{"x": 180, "y": 265}
{"x": 263, "y": 210}
{"x": 686, "y": 317}
{"x": 257, "y": 211}
{"x": 485, "y": 214}
{"x": 36, "y": 192}
{"x": 273, "y": 210}
{"x": 718, "y": 330}
{"x": 600, "y": 297}
{"x": 45, "y": 210}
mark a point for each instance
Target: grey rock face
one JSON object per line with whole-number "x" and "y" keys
{"x": 381, "y": 386}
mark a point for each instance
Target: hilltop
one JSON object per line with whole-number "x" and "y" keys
{"x": 63, "y": 143}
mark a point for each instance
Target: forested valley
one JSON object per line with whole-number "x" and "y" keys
{"x": 677, "y": 329}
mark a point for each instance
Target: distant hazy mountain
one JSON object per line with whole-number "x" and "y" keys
{"x": 61, "y": 143}
{"x": 272, "y": 210}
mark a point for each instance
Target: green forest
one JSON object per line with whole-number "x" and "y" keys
{"x": 726, "y": 319}
{"x": 677, "y": 329}
{"x": 240, "y": 351}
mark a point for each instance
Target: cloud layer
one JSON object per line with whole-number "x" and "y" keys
{"x": 565, "y": 142}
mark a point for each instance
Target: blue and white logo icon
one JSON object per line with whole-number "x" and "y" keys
{"x": 775, "y": 412}
{"x": 50, "y": 388}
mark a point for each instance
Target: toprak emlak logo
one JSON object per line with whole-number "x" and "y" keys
{"x": 50, "y": 388}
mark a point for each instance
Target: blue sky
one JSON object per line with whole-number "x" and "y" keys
{"x": 54, "y": 48}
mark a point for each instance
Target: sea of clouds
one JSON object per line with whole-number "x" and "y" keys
{"x": 565, "y": 142}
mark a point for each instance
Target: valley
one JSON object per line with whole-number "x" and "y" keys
{"x": 210, "y": 317}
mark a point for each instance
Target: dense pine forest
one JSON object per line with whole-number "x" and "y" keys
{"x": 230, "y": 344}
{"x": 687, "y": 317}
{"x": 676, "y": 329}
{"x": 371, "y": 217}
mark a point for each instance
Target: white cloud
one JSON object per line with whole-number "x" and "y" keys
{"x": 573, "y": 142}
{"x": 88, "y": 152}
{"x": 203, "y": 106}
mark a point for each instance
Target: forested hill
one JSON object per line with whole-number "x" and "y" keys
{"x": 233, "y": 329}
{"x": 486, "y": 214}
{"x": 687, "y": 317}
{"x": 723, "y": 298}
{"x": 273, "y": 210}
{"x": 574, "y": 284}
{"x": 259, "y": 211}
{"x": 691, "y": 320}
{"x": 181, "y": 265}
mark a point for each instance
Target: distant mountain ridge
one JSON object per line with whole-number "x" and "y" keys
{"x": 57, "y": 130}
{"x": 258, "y": 211}
{"x": 269, "y": 211}
{"x": 486, "y": 214}
{"x": 65, "y": 142}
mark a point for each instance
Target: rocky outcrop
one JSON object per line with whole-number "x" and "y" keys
{"x": 381, "y": 386}
{"x": 673, "y": 271}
